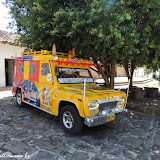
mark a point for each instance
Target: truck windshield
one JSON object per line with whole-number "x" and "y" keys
{"x": 73, "y": 75}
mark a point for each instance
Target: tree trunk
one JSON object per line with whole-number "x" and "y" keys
{"x": 154, "y": 72}
{"x": 126, "y": 66}
{"x": 109, "y": 72}
{"x": 131, "y": 82}
{"x": 132, "y": 71}
{"x": 113, "y": 64}
{"x": 129, "y": 72}
{"x": 105, "y": 71}
{"x": 106, "y": 79}
{"x": 159, "y": 76}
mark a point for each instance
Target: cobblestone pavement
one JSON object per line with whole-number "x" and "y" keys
{"x": 29, "y": 130}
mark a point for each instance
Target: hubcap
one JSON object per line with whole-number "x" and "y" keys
{"x": 19, "y": 99}
{"x": 68, "y": 119}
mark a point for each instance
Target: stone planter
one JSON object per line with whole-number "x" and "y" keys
{"x": 137, "y": 93}
{"x": 132, "y": 90}
{"x": 151, "y": 92}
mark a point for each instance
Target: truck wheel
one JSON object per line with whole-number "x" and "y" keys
{"x": 70, "y": 119}
{"x": 19, "y": 101}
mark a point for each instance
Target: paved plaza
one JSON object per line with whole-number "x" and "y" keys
{"x": 33, "y": 132}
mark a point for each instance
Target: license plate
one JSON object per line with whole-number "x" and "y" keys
{"x": 111, "y": 117}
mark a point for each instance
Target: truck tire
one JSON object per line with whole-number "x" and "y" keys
{"x": 19, "y": 101}
{"x": 70, "y": 119}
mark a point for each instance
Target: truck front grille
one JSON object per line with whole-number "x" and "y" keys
{"x": 109, "y": 107}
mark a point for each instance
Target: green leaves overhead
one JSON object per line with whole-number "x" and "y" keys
{"x": 123, "y": 29}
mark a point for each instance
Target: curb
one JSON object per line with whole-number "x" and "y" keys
{"x": 5, "y": 89}
{"x": 149, "y": 106}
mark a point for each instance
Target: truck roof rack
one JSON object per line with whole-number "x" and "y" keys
{"x": 61, "y": 57}
{"x": 71, "y": 53}
{"x": 67, "y": 58}
{"x": 43, "y": 52}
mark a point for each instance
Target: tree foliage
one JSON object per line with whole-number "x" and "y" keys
{"x": 111, "y": 31}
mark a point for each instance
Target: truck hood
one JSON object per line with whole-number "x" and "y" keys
{"x": 92, "y": 91}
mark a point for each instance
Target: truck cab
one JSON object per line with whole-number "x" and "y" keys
{"x": 63, "y": 86}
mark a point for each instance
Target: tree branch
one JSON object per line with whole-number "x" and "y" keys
{"x": 126, "y": 68}
{"x": 140, "y": 16}
{"x": 86, "y": 1}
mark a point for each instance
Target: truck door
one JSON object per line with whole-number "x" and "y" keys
{"x": 45, "y": 85}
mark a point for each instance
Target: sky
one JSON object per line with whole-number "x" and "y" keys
{"x": 5, "y": 17}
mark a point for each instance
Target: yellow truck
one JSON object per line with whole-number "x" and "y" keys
{"x": 63, "y": 86}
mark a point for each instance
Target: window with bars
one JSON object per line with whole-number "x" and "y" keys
{"x": 21, "y": 68}
{"x": 45, "y": 69}
{"x": 32, "y": 68}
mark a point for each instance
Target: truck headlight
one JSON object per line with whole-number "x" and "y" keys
{"x": 93, "y": 104}
{"x": 120, "y": 99}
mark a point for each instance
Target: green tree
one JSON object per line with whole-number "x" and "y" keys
{"x": 110, "y": 31}
{"x": 153, "y": 59}
{"x": 145, "y": 50}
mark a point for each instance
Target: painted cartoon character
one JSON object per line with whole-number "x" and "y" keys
{"x": 31, "y": 92}
{"x": 45, "y": 96}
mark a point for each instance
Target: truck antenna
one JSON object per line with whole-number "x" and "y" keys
{"x": 84, "y": 94}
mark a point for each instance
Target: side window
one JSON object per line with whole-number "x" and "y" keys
{"x": 45, "y": 69}
{"x": 21, "y": 68}
{"x": 32, "y": 68}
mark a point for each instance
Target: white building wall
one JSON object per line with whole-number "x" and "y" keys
{"x": 2, "y": 72}
{"x": 139, "y": 72}
{"x": 7, "y": 51}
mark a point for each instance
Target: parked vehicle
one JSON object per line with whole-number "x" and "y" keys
{"x": 63, "y": 86}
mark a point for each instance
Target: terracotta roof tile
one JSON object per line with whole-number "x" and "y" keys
{"x": 7, "y": 37}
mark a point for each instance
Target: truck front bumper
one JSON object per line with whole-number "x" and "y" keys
{"x": 99, "y": 120}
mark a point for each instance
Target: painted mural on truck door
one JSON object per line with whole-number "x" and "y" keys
{"x": 35, "y": 80}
